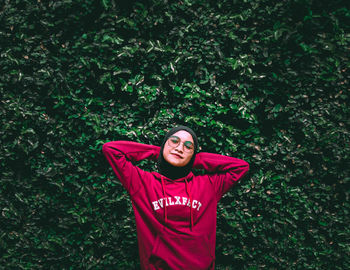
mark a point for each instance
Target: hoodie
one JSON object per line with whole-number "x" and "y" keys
{"x": 175, "y": 219}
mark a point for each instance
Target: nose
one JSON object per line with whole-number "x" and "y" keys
{"x": 179, "y": 148}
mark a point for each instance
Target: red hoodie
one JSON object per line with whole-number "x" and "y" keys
{"x": 175, "y": 219}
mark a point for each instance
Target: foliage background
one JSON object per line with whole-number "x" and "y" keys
{"x": 265, "y": 81}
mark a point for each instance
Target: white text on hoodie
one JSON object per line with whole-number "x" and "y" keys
{"x": 176, "y": 200}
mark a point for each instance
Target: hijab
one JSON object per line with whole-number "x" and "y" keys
{"x": 170, "y": 171}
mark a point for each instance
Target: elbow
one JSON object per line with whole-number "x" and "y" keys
{"x": 246, "y": 167}
{"x": 111, "y": 148}
{"x": 106, "y": 147}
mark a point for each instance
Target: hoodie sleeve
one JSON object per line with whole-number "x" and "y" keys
{"x": 224, "y": 171}
{"x": 122, "y": 154}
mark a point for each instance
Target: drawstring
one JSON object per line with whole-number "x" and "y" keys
{"x": 164, "y": 202}
{"x": 189, "y": 195}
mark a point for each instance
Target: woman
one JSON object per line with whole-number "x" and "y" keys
{"x": 175, "y": 210}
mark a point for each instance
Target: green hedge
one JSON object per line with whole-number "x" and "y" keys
{"x": 265, "y": 81}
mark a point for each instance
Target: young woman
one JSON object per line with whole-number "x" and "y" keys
{"x": 175, "y": 210}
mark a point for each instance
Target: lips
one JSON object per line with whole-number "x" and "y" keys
{"x": 177, "y": 156}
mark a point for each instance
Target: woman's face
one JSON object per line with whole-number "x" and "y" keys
{"x": 179, "y": 148}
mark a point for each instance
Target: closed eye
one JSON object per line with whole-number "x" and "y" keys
{"x": 174, "y": 140}
{"x": 188, "y": 145}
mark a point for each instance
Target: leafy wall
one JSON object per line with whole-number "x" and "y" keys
{"x": 265, "y": 81}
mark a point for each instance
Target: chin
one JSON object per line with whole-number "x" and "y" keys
{"x": 176, "y": 164}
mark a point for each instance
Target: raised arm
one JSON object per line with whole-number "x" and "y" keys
{"x": 224, "y": 171}
{"x": 122, "y": 154}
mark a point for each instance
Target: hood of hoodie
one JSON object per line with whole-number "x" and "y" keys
{"x": 170, "y": 171}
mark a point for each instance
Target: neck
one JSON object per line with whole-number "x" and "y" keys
{"x": 173, "y": 172}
